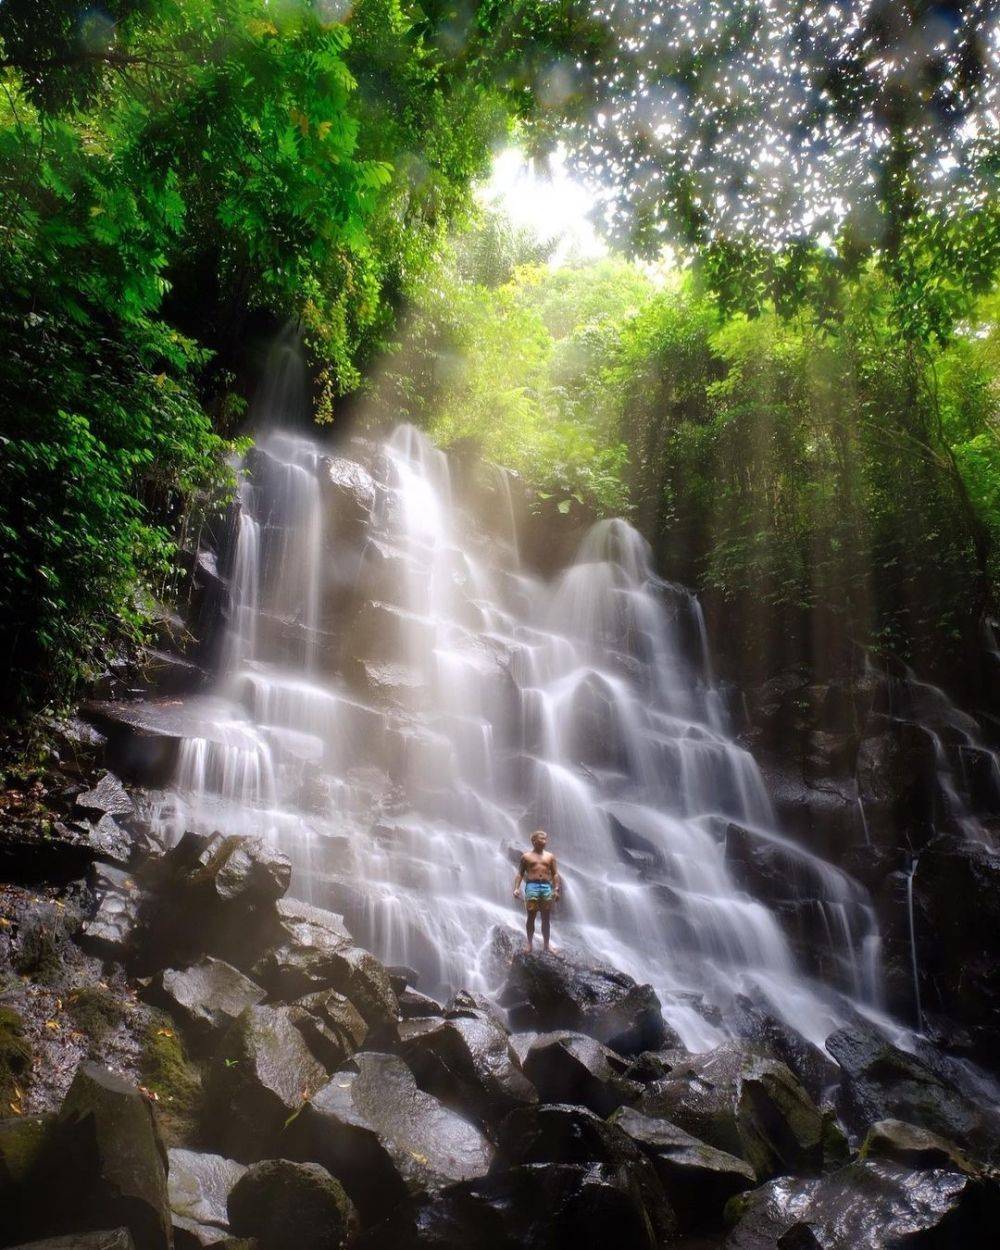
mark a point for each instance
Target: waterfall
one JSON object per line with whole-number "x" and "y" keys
{"x": 400, "y": 744}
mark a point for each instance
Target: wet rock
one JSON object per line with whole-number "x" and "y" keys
{"x": 104, "y": 1166}
{"x": 882, "y": 1082}
{"x": 698, "y": 1179}
{"x": 771, "y": 1036}
{"x": 781, "y": 1127}
{"x": 111, "y": 930}
{"x": 536, "y": 1206}
{"x": 896, "y": 771}
{"x": 349, "y": 493}
{"x": 105, "y": 1239}
{"x": 199, "y": 1186}
{"x": 560, "y": 1133}
{"x": 108, "y": 798}
{"x": 22, "y": 1142}
{"x": 956, "y": 892}
{"x": 548, "y": 992}
{"x": 700, "y": 1096}
{"x": 468, "y": 1063}
{"x": 262, "y": 1074}
{"x": 401, "y": 976}
{"x": 332, "y": 1026}
{"x": 384, "y": 1138}
{"x": 244, "y": 870}
{"x": 108, "y": 840}
{"x": 315, "y": 952}
{"x": 205, "y": 998}
{"x": 291, "y": 1206}
{"x": 413, "y": 1005}
{"x": 574, "y": 1068}
{"x": 865, "y": 1206}
{"x": 912, "y": 1146}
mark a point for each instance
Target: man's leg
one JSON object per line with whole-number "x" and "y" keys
{"x": 546, "y": 921}
{"x": 530, "y": 927}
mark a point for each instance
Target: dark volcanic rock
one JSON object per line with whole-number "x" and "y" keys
{"x": 748, "y": 1106}
{"x": 882, "y": 1082}
{"x": 261, "y": 1075}
{"x": 105, "y": 1239}
{"x": 574, "y": 1068}
{"x": 205, "y": 998}
{"x": 413, "y": 1005}
{"x": 104, "y": 1165}
{"x": 536, "y": 1206}
{"x": 866, "y": 1206}
{"x": 912, "y": 1146}
{"x": 107, "y": 798}
{"x": 111, "y": 929}
{"x": 384, "y": 1138}
{"x": 698, "y": 1179}
{"x": 548, "y": 992}
{"x": 291, "y": 1206}
{"x": 956, "y": 892}
{"x": 315, "y": 952}
{"x": 559, "y": 1133}
{"x": 468, "y": 1063}
{"x": 332, "y": 1026}
{"x": 243, "y": 870}
{"x": 199, "y": 1186}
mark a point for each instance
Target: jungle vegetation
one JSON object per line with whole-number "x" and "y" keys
{"x": 799, "y": 407}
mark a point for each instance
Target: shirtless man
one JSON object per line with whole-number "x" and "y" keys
{"x": 541, "y": 876}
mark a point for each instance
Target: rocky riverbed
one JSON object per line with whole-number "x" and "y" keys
{"x": 190, "y": 1057}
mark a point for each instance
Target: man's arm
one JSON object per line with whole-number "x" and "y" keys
{"x": 556, "y": 882}
{"x": 518, "y": 879}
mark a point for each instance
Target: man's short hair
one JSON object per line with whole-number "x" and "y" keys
{"x": 539, "y": 831}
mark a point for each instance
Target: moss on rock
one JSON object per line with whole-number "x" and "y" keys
{"x": 96, "y": 1011}
{"x": 168, "y": 1074}
{"x": 15, "y": 1055}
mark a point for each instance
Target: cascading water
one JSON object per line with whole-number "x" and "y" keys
{"x": 400, "y": 744}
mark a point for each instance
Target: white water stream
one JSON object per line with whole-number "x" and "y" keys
{"x": 584, "y": 706}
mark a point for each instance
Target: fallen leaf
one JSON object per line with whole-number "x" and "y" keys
{"x": 52, "y": 1024}
{"x": 164, "y": 1032}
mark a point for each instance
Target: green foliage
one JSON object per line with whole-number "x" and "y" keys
{"x": 177, "y": 178}
{"x": 167, "y": 1073}
{"x": 514, "y": 367}
{"x": 95, "y": 1011}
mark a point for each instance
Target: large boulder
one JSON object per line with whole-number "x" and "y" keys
{"x": 866, "y": 1206}
{"x": 882, "y": 1082}
{"x": 248, "y": 871}
{"x": 291, "y": 1206}
{"x": 205, "y": 998}
{"x": 468, "y": 1063}
{"x": 546, "y": 992}
{"x": 112, "y": 929}
{"x": 560, "y": 1133}
{"x": 313, "y": 951}
{"x": 535, "y": 1206}
{"x": 956, "y": 899}
{"x": 349, "y": 494}
{"x": 912, "y": 1146}
{"x": 698, "y": 1179}
{"x": 261, "y": 1075}
{"x": 199, "y": 1185}
{"x": 383, "y": 1137}
{"x": 574, "y": 1068}
{"x": 332, "y": 1026}
{"x": 104, "y": 1166}
{"x": 749, "y": 1106}
{"x": 107, "y": 798}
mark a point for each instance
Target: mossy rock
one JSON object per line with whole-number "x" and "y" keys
{"x": 15, "y": 1055}
{"x": 96, "y": 1011}
{"x": 168, "y": 1073}
{"x": 22, "y": 1140}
